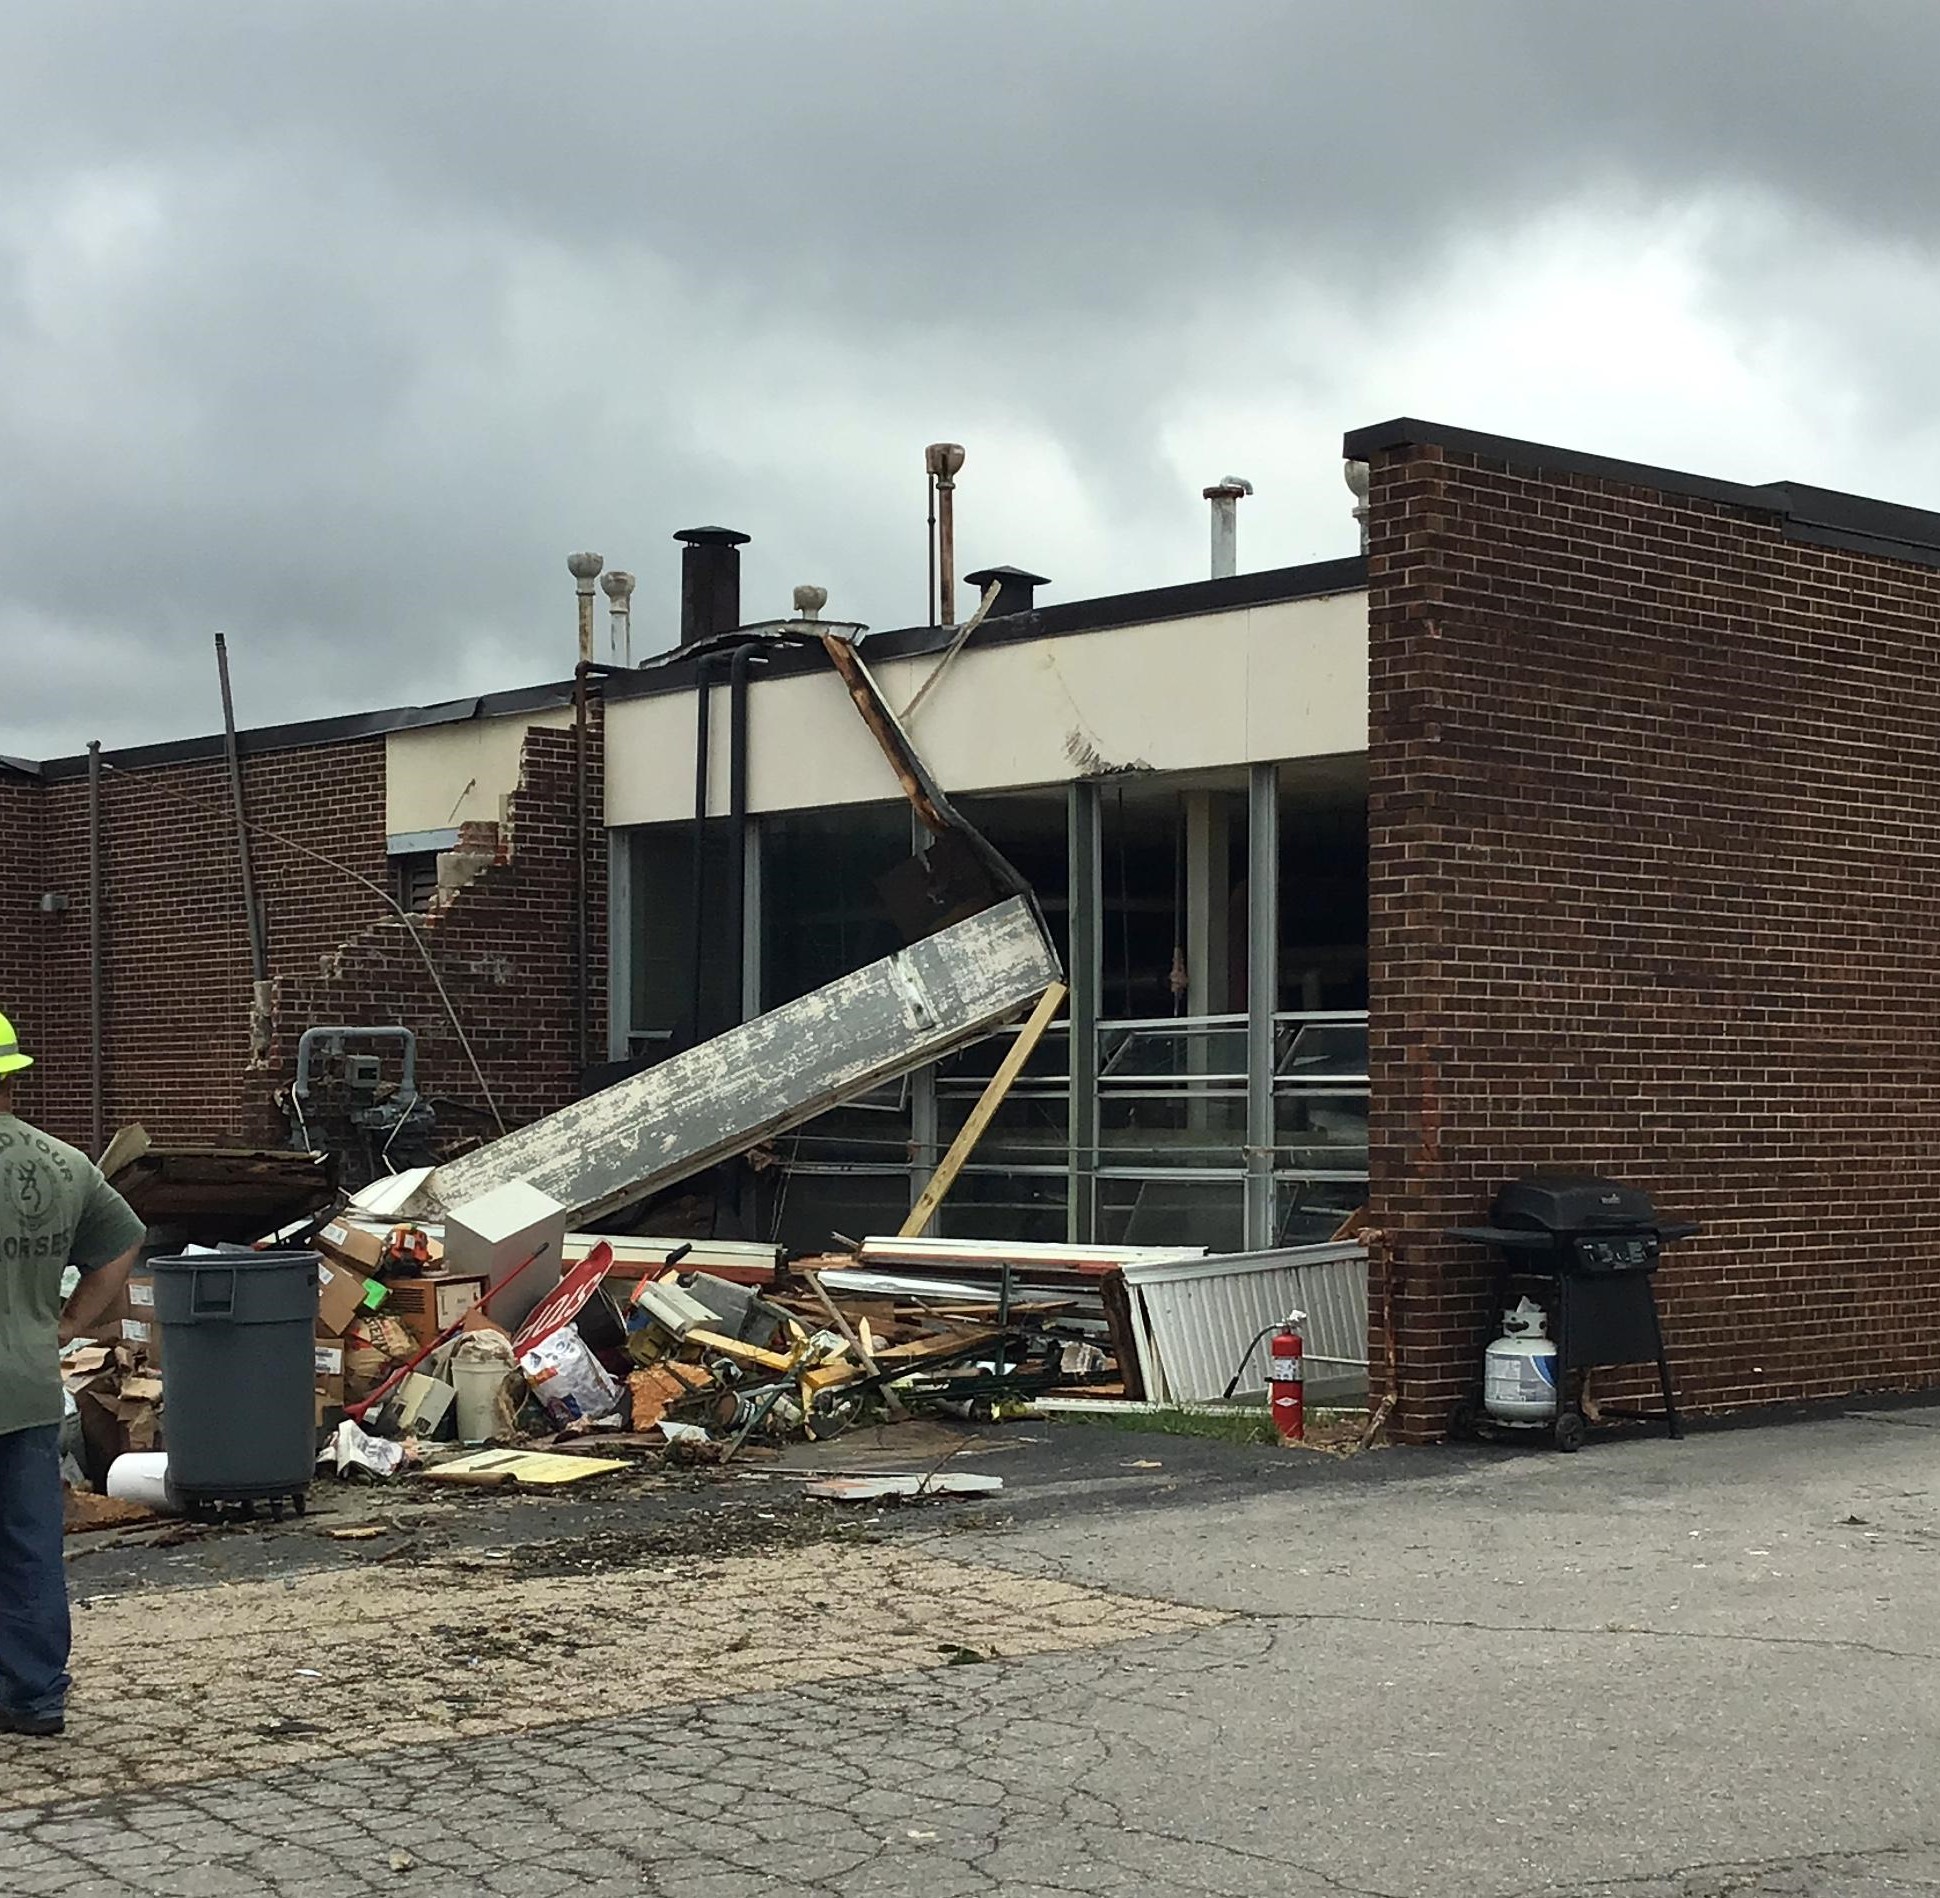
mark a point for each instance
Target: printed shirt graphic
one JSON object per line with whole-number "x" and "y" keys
{"x": 55, "y": 1211}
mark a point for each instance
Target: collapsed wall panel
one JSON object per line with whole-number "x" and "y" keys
{"x": 656, "y": 1128}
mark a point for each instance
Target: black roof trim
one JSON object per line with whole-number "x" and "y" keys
{"x": 320, "y": 731}
{"x": 1315, "y": 580}
{"x": 1822, "y": 516}
{"x": 19, "y": 767}
{"x": 1539, "y": 457}
{"x": 1917, "y": 553}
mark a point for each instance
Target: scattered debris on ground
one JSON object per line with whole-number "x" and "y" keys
{"x": 596, "y": 1359}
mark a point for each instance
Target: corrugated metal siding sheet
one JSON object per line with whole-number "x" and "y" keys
{"x": 1200, "y": 1314}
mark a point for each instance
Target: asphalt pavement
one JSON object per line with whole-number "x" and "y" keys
{"x": 1153, "y": 1666}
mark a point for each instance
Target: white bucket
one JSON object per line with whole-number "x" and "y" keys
{"x": 479, "y": 1376}
{"x": 141, "y": 1476}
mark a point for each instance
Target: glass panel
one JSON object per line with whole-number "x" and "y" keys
{"x": 1027, "y": 1130}
{"x": 1322, "y": 1050}
{"x": 1172, "y": 1212}
{"x": 1323, "y": 884}
{"x": 801, "y": 1209}
{"x": 1321, "y": 1131}
{"x": 1003, "y": 1205}
{"x": 1184, "y": 1049}
{"x": 1207, "y": 1130}
{"x": 1030, "y": 829}
{"x": 661, "y": 920}
{"x": 822, "y": 907}
{"x": 1049, "y": 1063}
{"x": 1310, "y": 1213}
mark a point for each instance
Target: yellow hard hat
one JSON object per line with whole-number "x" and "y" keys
{"x": 11, "y": 1059}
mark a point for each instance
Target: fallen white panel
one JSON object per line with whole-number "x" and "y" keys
{"x": 1197, "y": 1316}
{"x": 768, "y": 1075}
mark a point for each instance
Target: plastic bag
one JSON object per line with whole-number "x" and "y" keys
{"x": 567, "y": 1379}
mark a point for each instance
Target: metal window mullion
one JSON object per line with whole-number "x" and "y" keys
{"x": 1086, "y": 867}
{"x": 751, "y": 919}
{"x": 1262, "y": 994}
{"x": 619, "y": 944}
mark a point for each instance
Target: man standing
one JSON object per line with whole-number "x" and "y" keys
{"x": 55, "y": 1210}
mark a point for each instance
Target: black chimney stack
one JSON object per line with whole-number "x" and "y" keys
{"x": 1016, "y": 589}
{"x": 710, "y": 581}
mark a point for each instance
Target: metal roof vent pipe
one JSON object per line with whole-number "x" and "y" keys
{"x": 585, "y": 569}
{"x": 1016, "y": 589}
{"x": 1355, "y": 474}
{"x": 618, "y": 588}
{"x": 710, "y": 581}
{"x": 943, "y": 461}
{"x": 1225, "y": 499}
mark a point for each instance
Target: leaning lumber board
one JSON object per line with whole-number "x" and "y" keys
{"x": 724, "y": 1347}
{"x": 984, "y": 1112}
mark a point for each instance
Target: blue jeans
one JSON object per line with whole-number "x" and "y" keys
{"x": 33, "y": 1582}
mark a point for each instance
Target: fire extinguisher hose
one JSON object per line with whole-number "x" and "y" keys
{"x": 1246, "y": 1358}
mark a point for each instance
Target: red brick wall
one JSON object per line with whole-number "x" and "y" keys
{"x": 177, "y": 968}
{"x": 22, "y": 926}
{"x": 1655, "y": 892}
{"x": 504, "y": 950}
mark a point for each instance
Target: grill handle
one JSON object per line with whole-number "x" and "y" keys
{"x": 1504, "y": 1236}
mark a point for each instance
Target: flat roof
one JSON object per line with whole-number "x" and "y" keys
{"x": 1822, "y": 516}
{"x": 675, "y": 671}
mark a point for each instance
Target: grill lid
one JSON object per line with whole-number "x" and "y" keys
{"x": 1573, "y": 1202}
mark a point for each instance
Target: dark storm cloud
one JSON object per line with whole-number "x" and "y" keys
{"x": 335, "y": 325}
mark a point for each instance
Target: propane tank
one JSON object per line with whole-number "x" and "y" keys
{"x": 1519, "y": 1368}
{"x": 1286, "y": 1385}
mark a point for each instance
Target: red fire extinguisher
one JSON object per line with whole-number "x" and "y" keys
{"x": 1286, "y": 1386}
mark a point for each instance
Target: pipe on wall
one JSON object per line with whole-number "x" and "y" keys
{"x": 697, "y": 922}
{"x": 745, "y": 658}
{"x": 97, "y": 980}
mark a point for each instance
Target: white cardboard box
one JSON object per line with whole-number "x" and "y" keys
{"x": 493, "y": 1235}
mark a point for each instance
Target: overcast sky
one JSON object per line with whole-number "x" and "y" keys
{"x": 337, "y": 325}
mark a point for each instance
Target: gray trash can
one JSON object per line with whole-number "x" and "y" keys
{"x": 239, "y": 1351}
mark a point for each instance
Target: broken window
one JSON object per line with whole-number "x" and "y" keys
{"x": 416, "y": 872}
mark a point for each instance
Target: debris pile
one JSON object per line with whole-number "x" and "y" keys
{"x": 704, "y": 1362}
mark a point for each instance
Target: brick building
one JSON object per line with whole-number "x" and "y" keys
{"x": 1581, "y": 823}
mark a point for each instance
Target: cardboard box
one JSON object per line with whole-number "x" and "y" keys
{"x": 131, "y": 1319}
{"x": 420, "y": 1404}
{"x": 361, "y": 1248}
{"x": 330, "y": 1361}
{"x": 429, "y": 1305}
{"x": 342, "y": 1293}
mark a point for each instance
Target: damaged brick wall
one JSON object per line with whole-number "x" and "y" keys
{"x": 177, "y": 948}
{"x": 1656, "y": 893}
{"x": 503, "y": 943}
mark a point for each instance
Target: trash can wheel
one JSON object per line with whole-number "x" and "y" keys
{"x": 1571, "y": 1431}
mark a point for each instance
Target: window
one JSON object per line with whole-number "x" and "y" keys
{"x": 417, "y": 880}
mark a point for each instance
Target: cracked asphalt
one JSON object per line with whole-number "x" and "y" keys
{"x": 1157, "y": 1667}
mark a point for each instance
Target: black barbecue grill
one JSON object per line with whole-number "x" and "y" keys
{"x": 1599, "y": 1241}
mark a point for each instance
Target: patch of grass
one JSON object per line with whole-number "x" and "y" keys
{"x": 1225, "y": 1426}
{"x": 1328, "y": 1429}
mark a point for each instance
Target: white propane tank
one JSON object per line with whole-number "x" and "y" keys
{"x": 1519, "y": 1368}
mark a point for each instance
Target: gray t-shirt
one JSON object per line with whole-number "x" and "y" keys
{"x": 55, "y": 1211}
